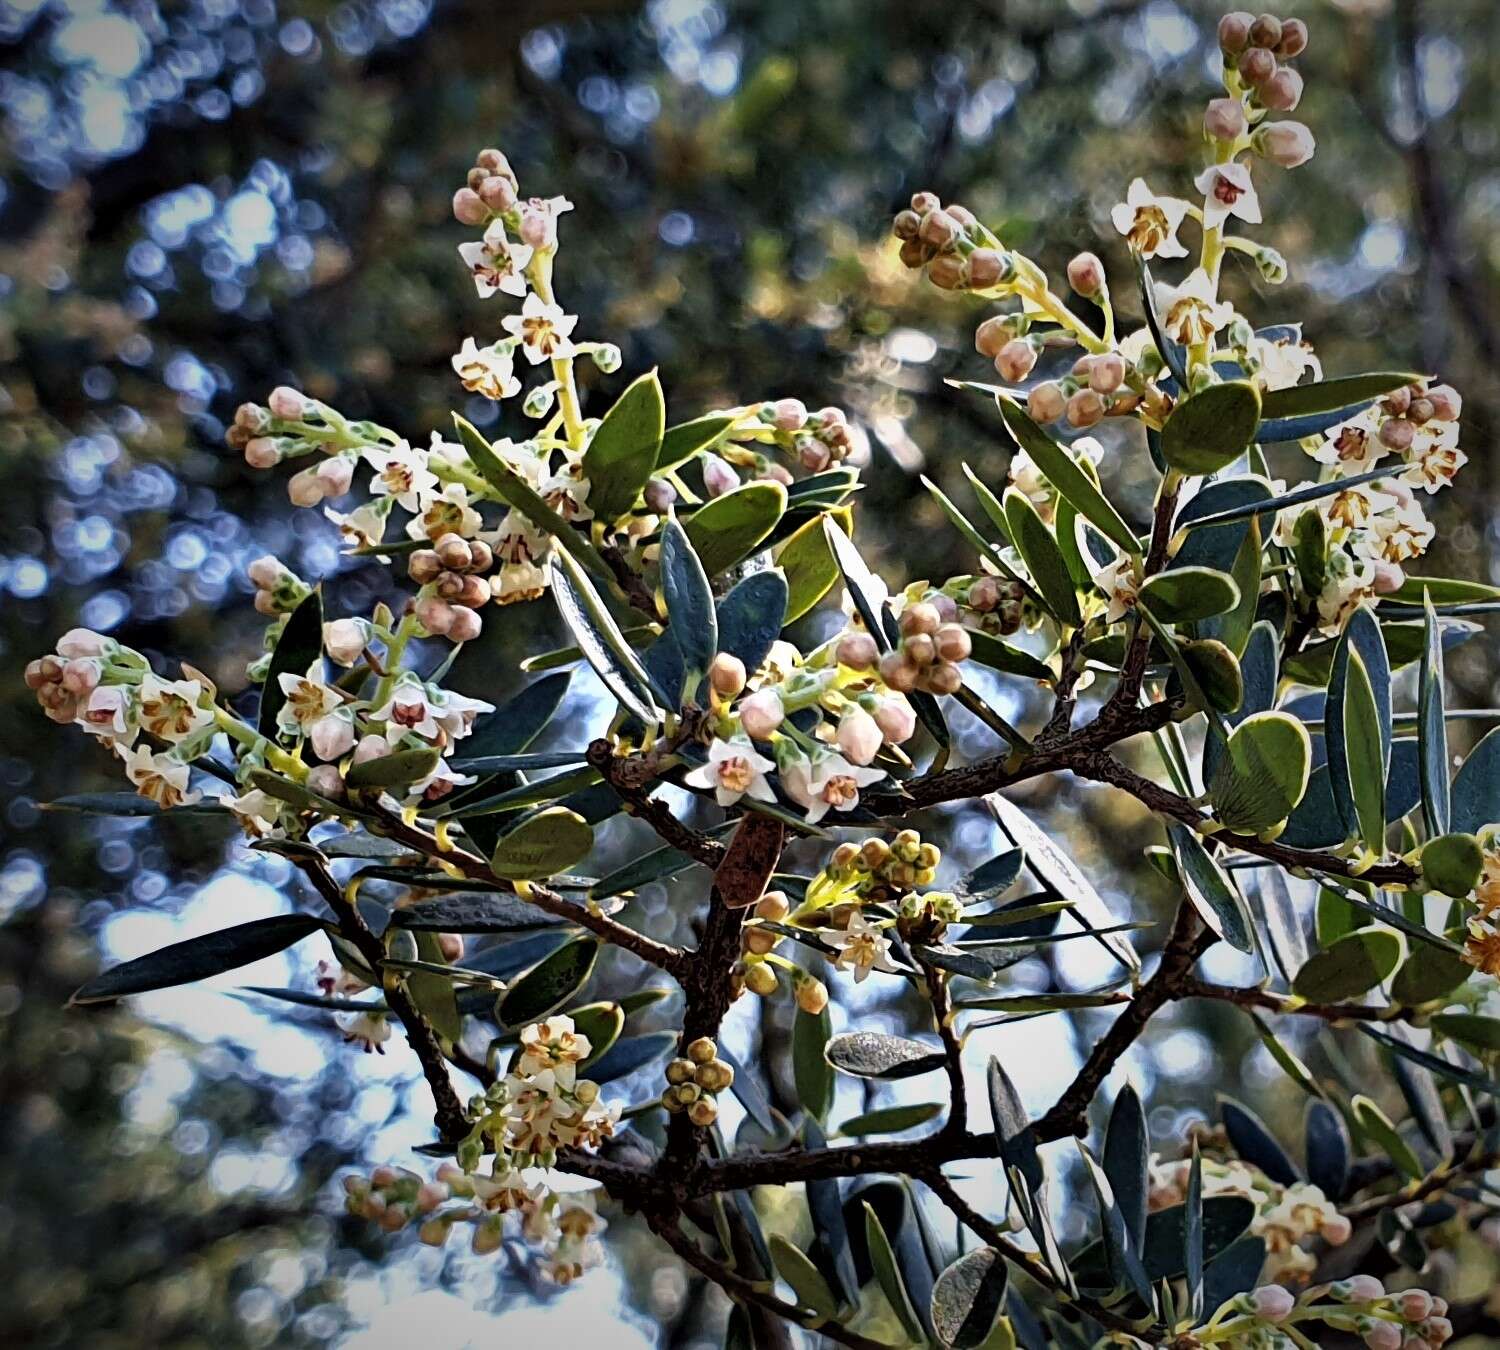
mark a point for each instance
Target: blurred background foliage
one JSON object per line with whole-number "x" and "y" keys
{"x": 200, "y": 199}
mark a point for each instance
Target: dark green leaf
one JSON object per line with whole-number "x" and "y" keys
{"x": 888, "y": 1275}
{"x": 890, "y": 1119}
{"x": 968, "y": 1299}
{"x": 630, "y": 1053}
{"x": 751, "y": 616}
{"x": 1193, "y": 1236}
{"x": 1255, "y": 1143}
{"x": 1214, "y": 895}
{"x": 1212, "y": 428}
{"x": 622, "y": 453}
{"x": 549, "y": 984}
{"x": 1432, "y": 729}
{"x": 1234, "y": 1271}
{"x": 690, "y": 604}
{"x": 1262, "y": 772}
{"x": 542, "y": 845}
{"x": 811, "y": 1071}
{"x": 1038, "y": 548}
{"x": 873, "y": 1054}
{"x": 680, "y": 443}
{"x": 728, "y": 529}
{"x": 1127, "y": 1160}
{"x": 806, "y": 1280}
{"x": 599, "y": 638}
{"x": 1476, "y": 789}
{"x": 392, "y": 772}
{"x": 1188, "y": 594}
{"x": 1429, "y": 973}
{"x": 1013, "y": 1130}
{"x": 1348, "y": 394}
{"x": 1124, "y": 1260}
{"x": 199, "y": 958}
{"x": 990, "y": 878}
{"x": 298, "y": 647}
{"x": 809, "y": 564}
{"x": 516, "y": 722}
{"x": 473, "y": 913}
{"x": 1352, "y": 966}
{"x": 991, "y": 651}
{"x": 1473, "y": 1030}
{"x": 1376, "y": 1126}
{"x": 1327, "y": 1149}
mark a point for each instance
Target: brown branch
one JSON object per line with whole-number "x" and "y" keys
{"x": 941, "y": 998}
{"x": 1265, "y": 1000}
{"x": 631, "y": 778}
{"x": 451, "y": 1121}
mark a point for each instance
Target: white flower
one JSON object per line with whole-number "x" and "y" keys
{"x": 257, "y": 812}
{"x": 332, "y": 737}
{"x": 1150, "y": 222}
{"x": 554, "y": 1045}
{"x": 733, "y": 770}
{"x": 1355, "y": 507}
{"x": 345, "y": 640}
{"x": 333, "y": 980}
{"x": 1190, "y": 312}
{"x": 1434, "y": 457}
{"x": 80, "y": 643}
{"x": 455, "y": 713}
{"x": 110, "y": 713}
{"x": 1227, "y": 191}
{"x": 861, "y": 947}
{"x": 364, "y": 527}
{"x": 306, "y": 701}
{"x": 544, "y": 329}
{"x": 486, "y": 371}
{"x": 369, "y": 1030}
{"x": 828, "y": 783}
{"x": 159, "y": 777}
{"x": 1283, "y": 364}
{"x": 518, "y": 581}
{"x": 496, "y": 263}
{"x": 448, "y": 512}
{"x": 1402, "y": 533}
{"x": 169, "y": 709}
{"x": 401, "y": 473}
{"x": 1351, "y": 581}
{"x": 859, "y": 736}
{"x": 566, "y": 491}
{"x": 1120, "y": 586}
{"x": 409, "y": 709}
{"x": 1352, "y": 445}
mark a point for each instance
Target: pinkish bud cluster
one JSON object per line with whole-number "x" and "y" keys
{"x": 819, "y": 439}
{"x": 489, "y": 190}
{"x": 997, "y": 603}
{"x": 1098, "y": 386}
{"x": 455, "y": 585}
{"x": 278, "y": 590}
{"x": 932, "y": 645}
{"x": 957, "y": 251}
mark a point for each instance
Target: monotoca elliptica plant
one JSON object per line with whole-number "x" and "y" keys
{"x": 1229, "y": 660}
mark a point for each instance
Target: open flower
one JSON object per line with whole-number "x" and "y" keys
{"x": 257, "y": 813}
{"x": 401, "y": 473}
{"x": 1149, "y": 223}
{"x": 1191, "y": 313}
{"x": 363, "y": 527}
{"x": 455, "y": 713}
{"x": 544, "y": 329}
{"x": 409, "y": 709}
{"x": 170, "y": 709}
{"x": 1434, "y": 459}
{"x": 160, "y": 777}
{"x": 1120, "y": 586}
{"x": 110, "y": 713}
{"x": 368, "y": 1030}
{"x": 826, "y": 783}
{"x": 486, "y": 371}
{"x": 862, "y": 947}
{"x": 1227, "y": 191}
{"x": 497, "y": 264}
{"x": 555, "y": 1045}
{"x": 734, "y": 770}
{"x": 1352, "y": 445}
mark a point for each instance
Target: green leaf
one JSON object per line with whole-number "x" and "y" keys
{"x": 631, "y": 1053}
{"x": 1357, "y": 731}
{"x": 1428, "y": 974}
{"x": 1262, "y": 773}
{"x": 888, "y": 1275}
{"x": 298, "y": 647}
{"x": 1444, "y": 591}
{"x": 473, "y": 912}
{"x": 1073, "y": 484}
{"x": 1233, "y": 628}
{"x": 1214, "y": 896}
{"x": 1013, "y": 1132}
{"x": 599, "y": 637}
{"x": 126, "y": 804}
{"x": 680, "y": 443}
{"x": 806, "y": 1280}
{"x": 1127, "y": 1161}
{"x": 752, "y": 616}
{"x": 1327, "y": 1148}
{"x": 1171, "y": 353}
{"x": 1119, "y": 1245}
{"x": 1211, "y": 429}
{"x": 515, "y": 491}
{"x": 602, "y": 1023}
{"x": 517, "y": 721}
{"x": 1328, "y": 395}
{"x": 1352, "y": 966}
{"x": 993, "y": 876}
{"x": 549, "y": 984}
{"x": 542, "y": 845}
{"x": 890, "y": 1119}
{"x": 1225, "y": 1218}
{"x": 1038, "y": 548}
{"x": 433, "y": 992}
{"x": 1474, "y": 1030}
{"x": 1432, "y": 728}
{"x": 1193, "y": 1236}
{"x": 1476, "y": 788}
{"x": 811, "y": 1071}
{"x": 873, "y": 1054}
{"x": 1234, "y": 1271}
{"x": 395, "y": 771}
{"x": 809, "y": 563}
{"x": 1452, "y": 863}
{"x": 621, "y": 456}
{"x": 1366, "y": 766}
{"x": 969, "y": 1299}
{"x": 988, "y": 650}
{"x": 690, "y": 604}
{"x": 1188, "y": 594}
{"x": 728, "y": 529}
{"x": 199, "y": 958}
{"x": 1255, "y": 1143}
{"x": 988, "y": 502}
{"x": 1376, "y": 1126}
{"x": 1403, "y": 643}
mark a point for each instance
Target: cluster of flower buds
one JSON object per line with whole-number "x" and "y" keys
{"x": 756, "y": 969}
{"x": 490, "y": 189}
{"x": 932, "y": 645}
{"x": 818, "y": 439}
{"x": 878, "y": 871}
{"x": 1098, "y": 386}
{"x": 278, "y": 590}
{"x": 453, "y": 575}
{"x": 1411, "y": 1319}
{"x": 695, "y": 1079}
{"x": 997, "y": 604}
{"x": 957, "y": 251}
{"x": 1257, "y": 46}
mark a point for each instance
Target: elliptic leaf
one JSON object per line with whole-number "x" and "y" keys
{"x": 1352, "y": 966}
{"x": 549, "y": 984}
{"x": 1212, "y": 428}
{"x": 622, "y": 454}
{"x": 542, "y": 845}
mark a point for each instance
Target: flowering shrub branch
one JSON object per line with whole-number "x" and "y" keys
{"x": 1247, "y": 637}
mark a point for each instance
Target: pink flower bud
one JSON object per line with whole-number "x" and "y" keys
{"x": 497, "y": 192}
{"x": 287, "y": 403}
{"x": 83, "y": 642}
{"x": 1086, "y": 275}
{"x": 1015, "y": 361}
{"x": 1266, "y": 31}
{"x": 1446, "y": 402}
{"x": 1257, "y": 65}
{"x": 1389, "y": 578}
{"x": 790, "y": 414}
{"x": 465, "y": 625}
{"x": 305, "y": 488}
{"x": 1437, "y": 1330}
{"x": 332, "y": 737}
{"x": 1283, "y": 91}
{"x": 1293, "y": 39}
{"x": 761, "y": 713}
{"x": 896, "y": 719}
{"x": 718, "y": 477}
{"x": 1272, "y": 1303}
{"x": 262, "y": 453}
{"x": 81, "y": 675}
{"x": 1288, "y": 144}
{"x": 326, "y": 781}
{"x": 939, "y": 229}
{"x": 726, "y": 674}
{"x": 814, "y": 455}
{"x": 434, "y": 614}
{"x": 946, "y": 272}
{"x": 857, "y": 651}
{"x": 344, "y": 640}
{"x": 537, "y": 228}
{"x": 452, "y": 947}
{"x": 1384, "y": 1336}
{"x": 336, "y": 475}
{"x": 469, "y": 208}
{"x": 1085, "y": 408}
{"x": 1046, "y": 402}
{"x": 660, "y": 495}
{"x": 1415, "y": 1305}
{"x": 991, "y": 336}
{"x": 1364, "y": 1289}
{"x": 986, "y": 268}
{"x": 859, "y": 736}
{"x": 1398, "y": 434}
{"x": 1107, "y": 373}
{"x": 1234, "y": 31}
{"x": 1224, "y": 119}
{"x": 1336, "y": 1231}
{"x": 266, "y": 572}
{"x": 370, "y": 747}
